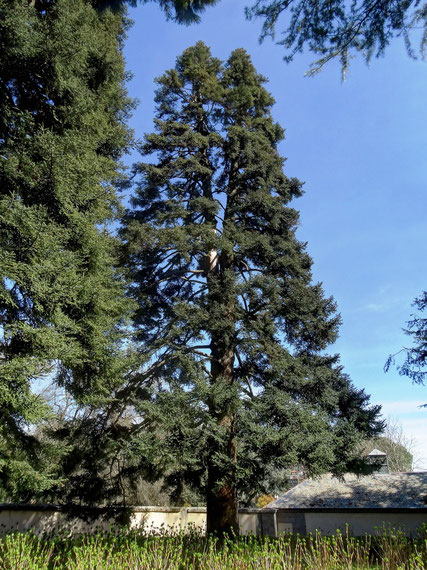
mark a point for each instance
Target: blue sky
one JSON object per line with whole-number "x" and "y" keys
{"x": 361, "y": 148}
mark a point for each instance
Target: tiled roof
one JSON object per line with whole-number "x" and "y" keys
{"x": 393, "y": 490}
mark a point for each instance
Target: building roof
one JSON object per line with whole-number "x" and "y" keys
{"x": 376, "y": 452}
{"x": 393, "y": 490}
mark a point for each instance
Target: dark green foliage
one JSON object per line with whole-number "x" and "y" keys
{"x": 181, "y": 11}
{"x": 63, "y": 109}
{"x": 232, "y": 330}
{"x": 415, "y": 363}
{"x": 334, "y": 28}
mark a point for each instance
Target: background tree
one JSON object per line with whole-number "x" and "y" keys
{"x": 394, "y": 442}
{"x": 233, "y": 376}
{"x": 63, "y": 110}
{"x": 334, "y": 28}
{"x": 100, "y": 451}
{"x": 415, "y": 363}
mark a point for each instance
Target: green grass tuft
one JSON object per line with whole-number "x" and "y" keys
{"x": 389, "y": 549}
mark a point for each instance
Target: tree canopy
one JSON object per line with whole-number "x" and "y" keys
{"x": 63, "y": 111}
{"x": 335, "y": 28}
{"x": 180, "y": 11}
{"x": 329, "y": 28}
{"x": 231, "y": 330}
{"x": 415, "y": 364}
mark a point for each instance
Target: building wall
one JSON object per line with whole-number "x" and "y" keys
{"x": 364, "y": 523}
{"x": 269, "y": 522}
{"x": 43, "y": 522}
{"x": 291, "y": 522}
{"x": 46, "y": 520}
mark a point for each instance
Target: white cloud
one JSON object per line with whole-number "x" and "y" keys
{"x": 400, "y": 407}
{"x": 377, "y": 307}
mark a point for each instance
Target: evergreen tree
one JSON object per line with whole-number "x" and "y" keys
{"x": 181, "y": 11}
{"x": 336, "y": 29}
{"x": 415, "y": 363}
{"x": 63, "y": 109}
{"x": 232, "y": 331}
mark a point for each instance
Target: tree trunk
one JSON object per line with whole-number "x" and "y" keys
{"x": 221, "y": 494}
{"x": 221, "y": 500}
{"x": 222, "y": 514}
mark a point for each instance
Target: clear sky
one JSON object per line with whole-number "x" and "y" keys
{"x": 361, "y": 148}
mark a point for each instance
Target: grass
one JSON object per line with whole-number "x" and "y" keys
{"x": 121, "y": 550}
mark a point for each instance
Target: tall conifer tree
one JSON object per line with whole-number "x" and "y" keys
{"x": 63, "y": 108}
{"x": 231, "y": 328}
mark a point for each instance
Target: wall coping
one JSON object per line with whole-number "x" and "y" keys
{"x": 103, "y": 510}
{"x": 154, "y": 509}
{"x": 360, "y": 510}
{"x": 68, "y": 508}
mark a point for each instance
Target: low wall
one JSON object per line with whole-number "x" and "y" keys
{"x": 47, "y": 519}
{"x": 356, "y": 521}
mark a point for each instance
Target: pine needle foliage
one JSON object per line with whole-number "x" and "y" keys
{"x": 181, "y": 11}
{"x": 231, "y": 328}
{"x": 63, "y": 108}
{"x": 335, "y": 29}
{"x": 415, "y": 364}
